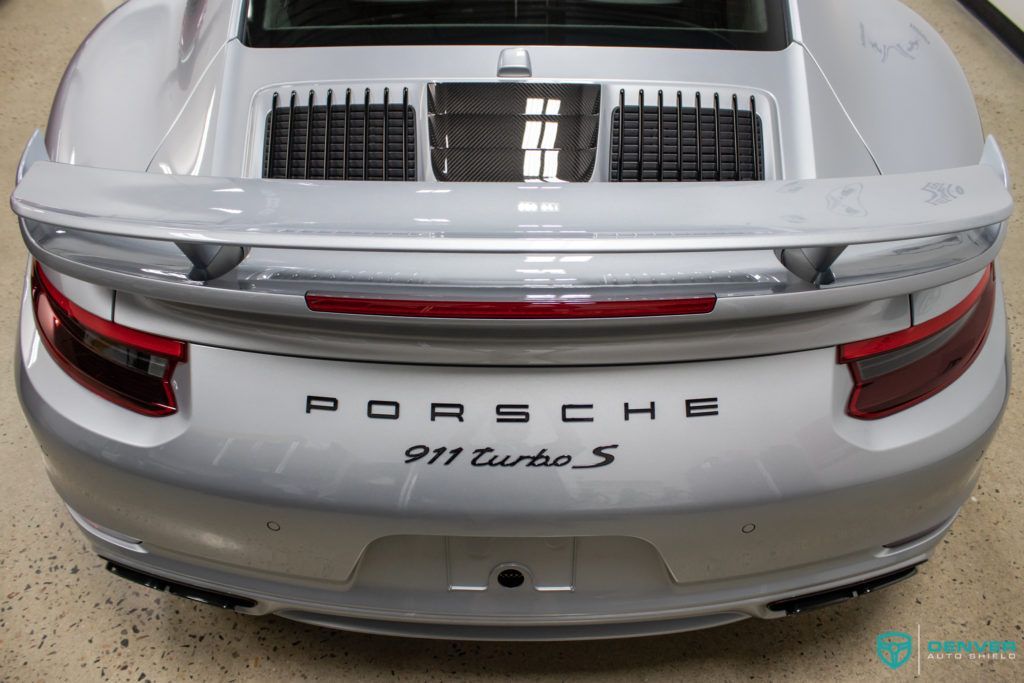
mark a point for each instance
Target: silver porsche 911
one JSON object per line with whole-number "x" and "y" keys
{"x": 522, "y": 319}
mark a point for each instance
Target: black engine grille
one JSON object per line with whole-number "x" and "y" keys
{"x": 360, "y": 140}
{"x": 656, "y": 138}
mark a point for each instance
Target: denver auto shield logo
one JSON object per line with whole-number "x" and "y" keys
{"x": 894, "y": 648}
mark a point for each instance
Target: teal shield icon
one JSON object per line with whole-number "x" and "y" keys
{"x": 894, "y": 648}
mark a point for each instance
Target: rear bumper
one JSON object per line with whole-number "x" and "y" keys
{"x": 671, "y": 615}
{"x": 698, "y": 523}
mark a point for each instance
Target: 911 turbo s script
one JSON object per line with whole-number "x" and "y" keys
{"x": 491, "y": 457}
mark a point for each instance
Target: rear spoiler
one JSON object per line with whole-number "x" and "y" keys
{"x": 215, "y": 222}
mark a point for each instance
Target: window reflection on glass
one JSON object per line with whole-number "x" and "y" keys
{"x": 729, "y": 24}
{"x": 540, "y": 151}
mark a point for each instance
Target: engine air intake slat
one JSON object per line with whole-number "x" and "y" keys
{"x": 670, "y": 142}
{"x": 360, "y": 139}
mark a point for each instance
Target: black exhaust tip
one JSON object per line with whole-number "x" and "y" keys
{"x": 805, "y": 603}
{"x": 182, "y": 590}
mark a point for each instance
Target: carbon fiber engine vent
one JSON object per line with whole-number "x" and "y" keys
{"x": 655, "y": 138}
{"x": 514, "y": 132}
{"x": 349, "y": 144}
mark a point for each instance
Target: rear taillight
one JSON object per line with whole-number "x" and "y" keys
{"x": 899, "y": 370}
{"x": 130, "y": 368}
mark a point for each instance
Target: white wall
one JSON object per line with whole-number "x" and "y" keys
{"x": 1012, "y": 8}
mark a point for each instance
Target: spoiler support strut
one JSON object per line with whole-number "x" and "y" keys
{"x": 211, "y": 261}
{"x": 812, "y": 264}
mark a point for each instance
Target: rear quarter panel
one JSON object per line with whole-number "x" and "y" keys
{"x": 898, "y": 80}
{"x": 132, "y": 76}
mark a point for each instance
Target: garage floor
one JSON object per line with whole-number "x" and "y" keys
{"x": 63, "y": 618}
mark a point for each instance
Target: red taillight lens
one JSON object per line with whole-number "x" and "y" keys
{"x": 130, "y": 368}
{"x": 896, "y": 371}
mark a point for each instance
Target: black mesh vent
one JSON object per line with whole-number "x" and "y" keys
{"x": 303, "y": 142}
{"x": 727, "y": 147}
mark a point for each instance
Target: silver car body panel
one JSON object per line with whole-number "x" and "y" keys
{"x": 877, "y": 173}
{"x": 829, "y": 87}
{"x": 359, "y": 534}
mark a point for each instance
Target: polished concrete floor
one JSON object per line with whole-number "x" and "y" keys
{"x": 63, "y": 618}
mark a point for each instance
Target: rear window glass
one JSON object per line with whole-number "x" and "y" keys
{"x": 724, "y": 24}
